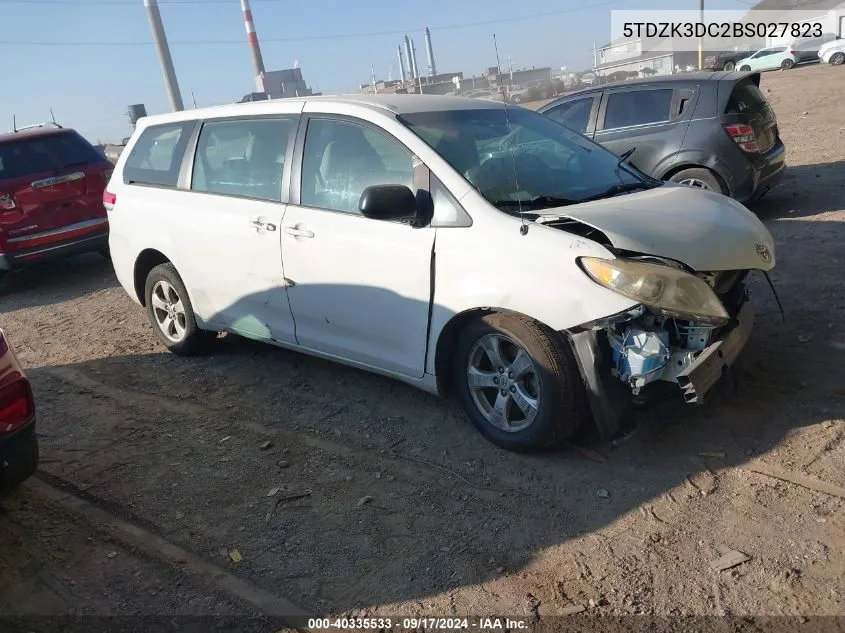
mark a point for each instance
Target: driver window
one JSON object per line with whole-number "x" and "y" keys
{"x": 342, "y": 158}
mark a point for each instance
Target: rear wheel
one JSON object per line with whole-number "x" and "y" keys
{"x": 745, "y": 68}
{"x": 699, "y": 178}
{"x": 519, "y": 382}
{"x": 21, "y": 466}
{"x": 170, "y": 312}
{"x": 786, "y": 64}
{"x": 837, "y": 59}
{"x": 729, "y": 66}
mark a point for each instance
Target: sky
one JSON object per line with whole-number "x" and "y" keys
{"x": 89, "y": 59}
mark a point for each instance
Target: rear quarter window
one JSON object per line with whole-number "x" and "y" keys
{"x": 46, "y": 153}
{"x": 745, "y": 98}
{"x": 156, "y": 157}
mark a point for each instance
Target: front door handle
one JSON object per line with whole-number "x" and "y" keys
{"x": 292, "y": 230}
{"x": 258, "y": 224}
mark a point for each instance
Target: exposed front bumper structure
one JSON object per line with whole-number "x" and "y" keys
{"x": 709, "y": 366}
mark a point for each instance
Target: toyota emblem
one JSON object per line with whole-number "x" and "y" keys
{"x": 763, "y": 252}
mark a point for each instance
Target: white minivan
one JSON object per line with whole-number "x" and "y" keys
{"x": 446, "y": 242}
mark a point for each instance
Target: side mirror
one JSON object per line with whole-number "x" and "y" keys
{"x": 395, "y": 203}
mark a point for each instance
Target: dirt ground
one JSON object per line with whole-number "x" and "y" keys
{"x": 374, "y": 498}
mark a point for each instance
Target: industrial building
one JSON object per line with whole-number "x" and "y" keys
{"x": 278, "y": 84}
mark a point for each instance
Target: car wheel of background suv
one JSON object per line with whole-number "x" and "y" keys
{"x": 729, "y": 66}
{"x": 786, "y": 64}
{"x": 700, "y": 178}
{"x": 171, "y": 314}
{"x": 837, "y": 59}
{"x": 519, "y": 382}
{"x": 745, "y": 68}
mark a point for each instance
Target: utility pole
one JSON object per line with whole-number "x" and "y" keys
{"x": 164, "y": 58}
{"x": 701, "y": 39}
{"x": 373, "y": 73}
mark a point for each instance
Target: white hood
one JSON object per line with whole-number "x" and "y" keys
{"x": 706, "y": 231}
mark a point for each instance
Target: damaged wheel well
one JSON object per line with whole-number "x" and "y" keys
{"x": 446, "y": 345}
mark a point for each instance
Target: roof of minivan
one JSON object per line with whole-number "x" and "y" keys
{"x": 397, "y": 104}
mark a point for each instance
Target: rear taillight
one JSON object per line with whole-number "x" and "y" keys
{"x": 109, "y": 200}
{"x": 16, "y": 405}
{"x": 793, "y": 52}
{"x": 7, "y": 202}
{"x": 743, "y": 136}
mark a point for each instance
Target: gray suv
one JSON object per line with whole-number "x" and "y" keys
{"x": 713, "y": 130}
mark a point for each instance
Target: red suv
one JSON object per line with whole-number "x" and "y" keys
{"x": 18, "y": 445}
{"x": 51, "y": 196}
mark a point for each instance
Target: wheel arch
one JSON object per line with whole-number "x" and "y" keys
{"x": 675, "y": 169}
{"x": 448, "y": 338}
{"x": 147, "y": 260}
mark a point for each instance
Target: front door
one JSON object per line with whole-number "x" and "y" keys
{"x": 359, "y": 289}
{"x": 230, "y": 226}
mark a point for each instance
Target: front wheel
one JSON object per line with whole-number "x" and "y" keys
{"x": 786, "y": 64}
{"x": 519, "y": 382}
{"x": 729, "y": 66}
{"x": 170, "y": 312}
{"x": 837, "y": 59}
{"x": 745, "y": 68}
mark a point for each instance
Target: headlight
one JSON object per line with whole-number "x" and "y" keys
{"x": 666, "y": 290}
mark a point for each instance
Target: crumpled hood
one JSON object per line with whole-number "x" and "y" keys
{"x": 704, "y": 230}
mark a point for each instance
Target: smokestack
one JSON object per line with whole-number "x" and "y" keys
{"x": 410, "y": 57}
{"x": 401, "y": 63}
{"x": 164, "y": 58}
{"x": 252, "y": 38}
{"x": 414, "y": 60}
{"x": 432, "y": 69}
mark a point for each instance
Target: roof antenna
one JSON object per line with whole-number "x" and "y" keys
{"x": 53, "y": 116}
{"x": 523, "y": 230}
{"x": 14, "y": 123}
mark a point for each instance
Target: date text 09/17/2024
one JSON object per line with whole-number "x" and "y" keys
{"x": 425, "y": 624}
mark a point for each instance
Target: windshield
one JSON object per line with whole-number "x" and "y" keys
{"x": 522, "y": 159}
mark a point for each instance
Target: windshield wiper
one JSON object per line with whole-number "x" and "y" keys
{"x": 540, "y": 202}
{"x": 617, "y": 189}
{"x": 624, "y": 156}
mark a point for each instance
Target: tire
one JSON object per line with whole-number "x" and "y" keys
{"x": 550, "y": 379}
{"x": 729, "y": 66}
{"x": 745, "y": 68}
{"x": 837, "y": 59}
{"x": 21, "y": 467}
{"x": 180, "y": 334}
{"x": 700, "y": 178}
{"x": 516, "y": 99}
{"x": 786, "y": 64}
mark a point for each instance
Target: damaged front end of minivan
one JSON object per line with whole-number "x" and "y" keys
{"x": 687, "y": 326}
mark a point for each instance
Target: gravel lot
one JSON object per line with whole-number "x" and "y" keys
{"x": 403, "y": 507}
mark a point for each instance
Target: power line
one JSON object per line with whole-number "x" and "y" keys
{"x": 306, "y": 38}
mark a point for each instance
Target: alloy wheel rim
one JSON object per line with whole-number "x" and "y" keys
{"x": 169, "y": 311}
{"x": 503, "y": 382}
{"x": 695, "y": 182}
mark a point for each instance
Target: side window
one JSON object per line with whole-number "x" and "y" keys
{"x": 341, "y": 159}
{"x": 637, "y": 107}
{"x": 156, "y": 157}
{"x": 575, "y": 114}
{"x": 242, "y": 158}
